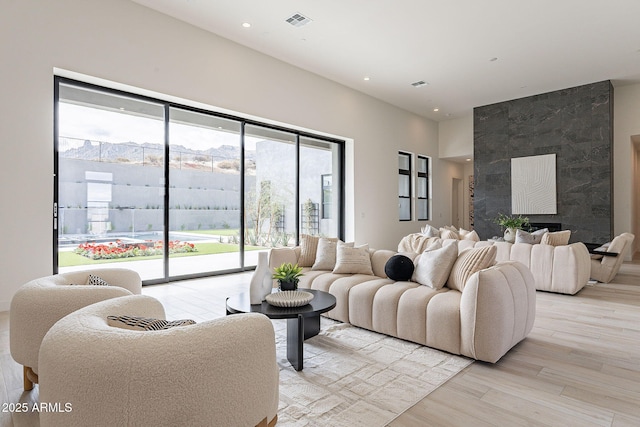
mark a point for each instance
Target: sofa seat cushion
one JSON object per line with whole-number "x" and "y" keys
{"x": 338, "y": 285}
{"x": 340, "y": 288}
{"x": 443, "y": 322}
{"x": 412, "y": 313}
{"x": 361, "y": 302}
{"x": 385, "y": 307}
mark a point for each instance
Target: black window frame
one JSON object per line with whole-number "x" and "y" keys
{"x": 423, "y": 175}
{"x": 340, "y": 172}
{"x": 401, "y": 173}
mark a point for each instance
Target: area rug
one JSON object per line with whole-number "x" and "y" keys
{"x": 354, "y": 377}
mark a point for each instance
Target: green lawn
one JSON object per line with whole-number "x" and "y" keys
{"x": 70, "y": 259}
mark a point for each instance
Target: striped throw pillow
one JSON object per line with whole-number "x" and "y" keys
{"x": 136, "y": 323}
{"x": 468, "y": 262}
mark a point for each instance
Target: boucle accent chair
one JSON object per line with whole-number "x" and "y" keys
{"x": 493, "y": 311}
{"x": 605, "y": 269}
{"x": 221, "y": 372}
{"x": 40, "y": 303}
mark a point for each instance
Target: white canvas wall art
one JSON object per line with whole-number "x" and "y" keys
{"x": 533, "y": 185}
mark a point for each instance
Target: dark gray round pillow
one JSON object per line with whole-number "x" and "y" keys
{"x": 399, "y": 268}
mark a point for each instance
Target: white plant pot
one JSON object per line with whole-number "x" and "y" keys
{"x": 510, "y": 235}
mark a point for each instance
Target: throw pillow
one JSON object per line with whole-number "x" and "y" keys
{"x": 434, "y": 265}
{"x": 399, "y": 268}
{"x": 94, "y": 280}
{"x": 532, "y": 238}
{"x": 449, "y": 234}
{"x": 468, "y": 262}
{"x": 136, "y": 323}
{"x": 468, "y": 235}
{"x": 558, "y": 238}
{"x": 326, "y": 253}
{"x": 353, "y": 260}
{"x": 430, "y": 231}
{"x": 308, "y": 249}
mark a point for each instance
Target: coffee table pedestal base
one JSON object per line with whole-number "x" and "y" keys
{"x": 298, "y": 330}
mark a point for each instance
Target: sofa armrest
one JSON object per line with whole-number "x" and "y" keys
{"x": 497, "y": 310}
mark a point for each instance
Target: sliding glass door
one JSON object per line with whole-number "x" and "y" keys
{"x": 173, "y": 192}
{"x": 110, "y": 175}
{"x": 320, "y": 187}
{"x": 204, "y": 193}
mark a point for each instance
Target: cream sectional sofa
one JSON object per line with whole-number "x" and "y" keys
{"x": 494, "y": 311}
{"x": 563, "y": 269}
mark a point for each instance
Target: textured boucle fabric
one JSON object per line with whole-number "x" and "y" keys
{"x": 563, "y": 269}
{"x": 40, "y": 303}
{"x": 219, "y": 372}
{"x": 429, "y": 316}
{"x": 497, "y": 310}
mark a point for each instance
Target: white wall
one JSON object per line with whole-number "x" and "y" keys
{"x": 626, "y": 124}
{"x": 456, "y": 138}
{"x": 123, "y": 42}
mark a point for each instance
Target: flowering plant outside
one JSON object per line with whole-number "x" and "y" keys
{"x": 118, "y": 249}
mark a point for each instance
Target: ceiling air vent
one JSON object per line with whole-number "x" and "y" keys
{"x": 419, "y": 83}
{"x": 298, "y": 20}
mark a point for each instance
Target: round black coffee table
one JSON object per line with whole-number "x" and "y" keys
{"x": 302, "y": 322}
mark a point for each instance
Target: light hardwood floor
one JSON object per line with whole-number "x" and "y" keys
{"x": 580, "y": 366}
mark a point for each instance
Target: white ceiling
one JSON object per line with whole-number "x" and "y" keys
{"x": 540, "y": 45}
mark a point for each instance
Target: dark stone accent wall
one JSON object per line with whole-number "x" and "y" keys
{"x": 577, "y": 125}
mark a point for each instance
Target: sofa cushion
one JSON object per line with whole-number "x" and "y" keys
{"x": 468, "y": 235}
{"x": 469, "y": 262}
{"x": 399, "y": 267}
{"x": 430, "y": 231}
{"x": 353, "y": 260}
{"x": 136, "y": 323}
{"x": 445, "y": 233}
{"x": 308, "y": 249}
{"x": 530, "y": 238}
{"x": 433, "y": 266}
{"x": 558, "y": 238}
{"x": 94, "y": 280}
{"x": 326, "y": 254}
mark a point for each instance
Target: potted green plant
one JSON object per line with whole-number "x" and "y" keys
{"x": 288, "y": 276}
{"x": 511, "y": 223}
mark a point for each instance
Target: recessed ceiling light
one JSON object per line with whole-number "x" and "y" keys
{"x": 366, "y": 79}
{"x": 493, "y": 59}
{"x": 246, "y": 25}
{"x": 468, "y": 160}
{"x": 436, "y": 109}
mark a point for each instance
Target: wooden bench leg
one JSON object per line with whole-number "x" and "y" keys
{"x": 30, "y": 378}
{"x": 271, "y": 423}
